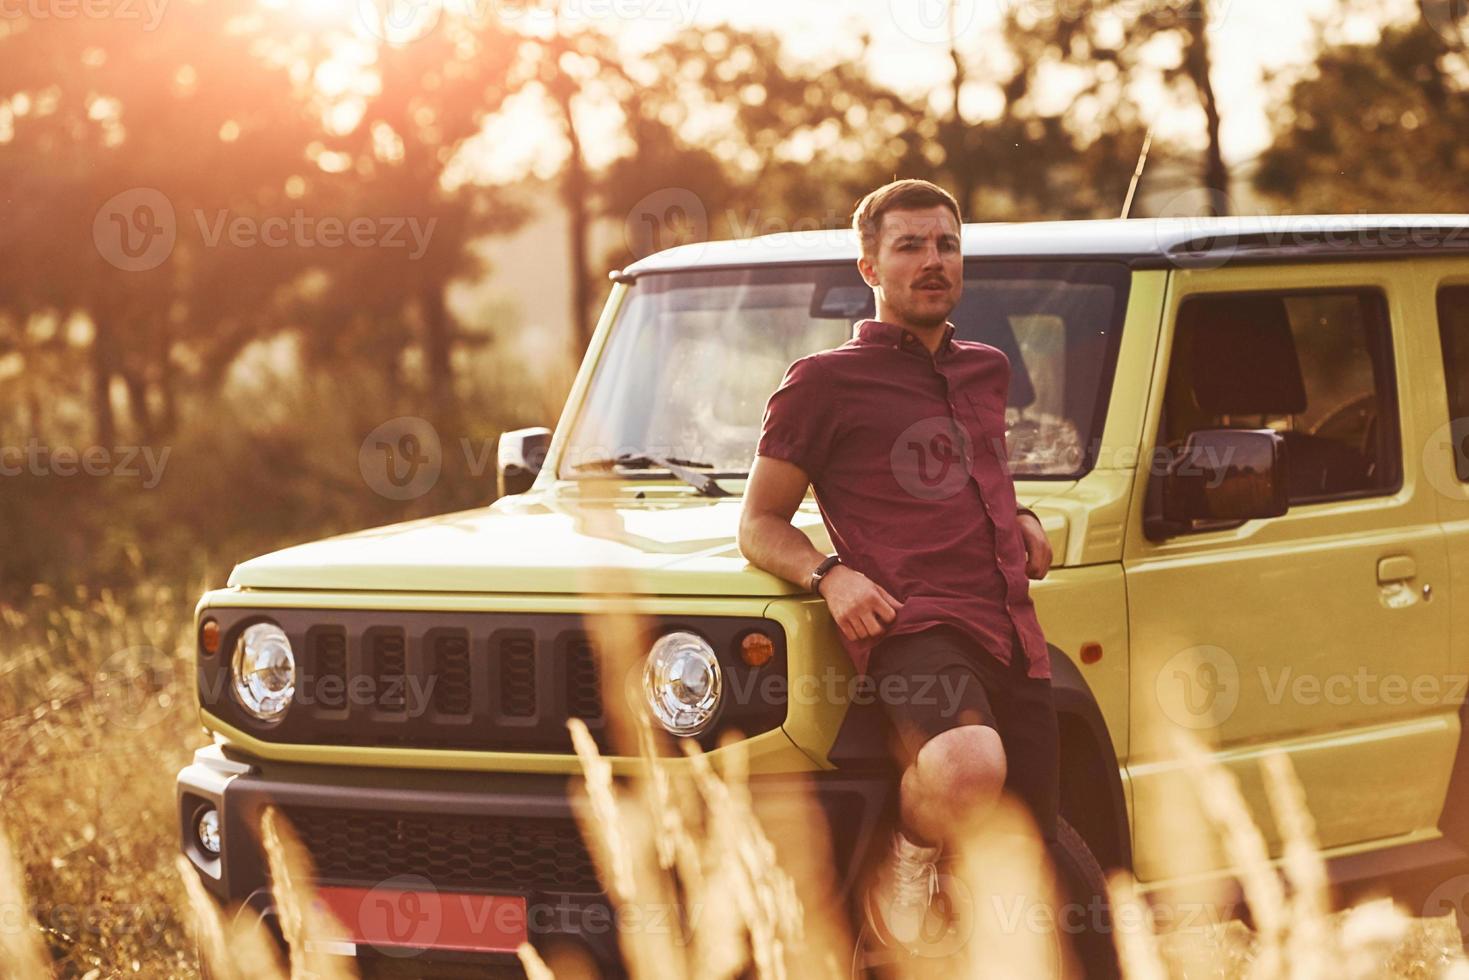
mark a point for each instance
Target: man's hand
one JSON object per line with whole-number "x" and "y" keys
{"x": 1037, "y": 547}
{"x": 861, "y": 608}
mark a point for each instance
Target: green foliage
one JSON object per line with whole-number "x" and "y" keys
{"x": 1401, "y": 145}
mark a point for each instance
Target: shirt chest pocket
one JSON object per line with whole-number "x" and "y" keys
{"x": 986, "y": 421}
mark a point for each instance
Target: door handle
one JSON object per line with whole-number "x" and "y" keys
{"x": 1397, "y": 568}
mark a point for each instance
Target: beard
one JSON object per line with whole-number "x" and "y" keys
{"x": 914, "y": 310}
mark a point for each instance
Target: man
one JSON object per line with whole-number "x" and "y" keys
{"x": 900, "y": 431}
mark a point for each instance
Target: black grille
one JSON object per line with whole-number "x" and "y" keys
{"x": 452, "y": 694}
{"x": 495, "y": 682}
{"x": 389, "y": 670}
{"x": 329, "y": 667}
{"x": 518, "y": 675}
{"x": 506, "y": 853}
{"x": 583, "y": 681}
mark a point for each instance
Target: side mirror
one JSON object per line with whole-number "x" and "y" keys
{"x": 1225, "y": 475}
{"x": 520, "y": 456}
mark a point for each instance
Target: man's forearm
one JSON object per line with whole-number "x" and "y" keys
{"x": 779, "y": 548}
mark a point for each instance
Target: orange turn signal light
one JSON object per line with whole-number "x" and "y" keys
{"x": 756, "y": 649}
{"x": 209, "y": 636}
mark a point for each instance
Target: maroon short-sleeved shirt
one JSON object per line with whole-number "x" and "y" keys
{"x": 906, "y": 454}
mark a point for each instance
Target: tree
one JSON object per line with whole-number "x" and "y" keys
{"x": 1401, "y": 148}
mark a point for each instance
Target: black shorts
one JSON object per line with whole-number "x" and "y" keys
{"x": 941, "y": 678}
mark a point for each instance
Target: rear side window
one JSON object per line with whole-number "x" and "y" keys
{"x": 1315, "y": 366}
{"x": 1453, "y": 332}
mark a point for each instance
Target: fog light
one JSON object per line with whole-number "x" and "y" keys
{"x": 207, "y": 830}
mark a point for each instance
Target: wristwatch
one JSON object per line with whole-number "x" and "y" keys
{"x": 1026, "y": 510}
{"x": 827, "y": 564}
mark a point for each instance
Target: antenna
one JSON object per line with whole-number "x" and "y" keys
{"x": 1137, "y": 175}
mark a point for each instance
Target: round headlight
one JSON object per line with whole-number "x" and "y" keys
{"x": 682, "y": 682}
{"x": 264, "y": 671}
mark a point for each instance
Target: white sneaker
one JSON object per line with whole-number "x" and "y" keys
{"x": 898, "y": 902}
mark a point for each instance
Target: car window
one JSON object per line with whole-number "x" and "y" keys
{"x": 1314, "y": 366}
{"x": 1453, "y": 332}
{"x": 695, "y": 354}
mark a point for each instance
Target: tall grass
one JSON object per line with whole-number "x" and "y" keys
{"x": 97, "y": 715}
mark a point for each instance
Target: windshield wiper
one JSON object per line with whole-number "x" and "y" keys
{"x": 701, "y": 482}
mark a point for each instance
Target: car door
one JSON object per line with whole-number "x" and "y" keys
{"x": 1316, "y": 633}
{"x": 1445, "y": 288}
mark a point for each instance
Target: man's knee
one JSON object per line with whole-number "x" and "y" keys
{"x": 966, "y": 766}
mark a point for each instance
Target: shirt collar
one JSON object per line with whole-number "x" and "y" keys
{"x": 891, "y": 335}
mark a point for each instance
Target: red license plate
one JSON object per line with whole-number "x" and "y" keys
{"x": 425, "y": 919}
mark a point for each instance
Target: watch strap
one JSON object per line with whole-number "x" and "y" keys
{"x": 827, "y": 564}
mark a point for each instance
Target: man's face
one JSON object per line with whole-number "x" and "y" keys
{"x": 918, "y": 269}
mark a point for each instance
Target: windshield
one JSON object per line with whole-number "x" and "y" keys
{"x": 694, "y": 356}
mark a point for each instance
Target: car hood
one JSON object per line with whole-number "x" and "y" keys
{"x": 671, "y": 543}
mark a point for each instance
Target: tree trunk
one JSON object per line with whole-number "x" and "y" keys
{"x": 574, "y": 197}
{"x": 1199, "y": 63}
{"x": 104, "y": 426}
{"x": 960, "y": 165}
{"x": 438, "y": 350}
{"x": 167, "y": 421}
{"x": 138, "y": 413}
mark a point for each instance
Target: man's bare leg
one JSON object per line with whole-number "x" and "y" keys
{"x": 951, "y": 787}
{"x": 953, "y": 784}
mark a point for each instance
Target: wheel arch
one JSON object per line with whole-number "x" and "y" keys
{"x": 1092, "y": 797}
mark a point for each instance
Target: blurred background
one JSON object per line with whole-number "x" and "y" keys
{"x": 239, "y": 235}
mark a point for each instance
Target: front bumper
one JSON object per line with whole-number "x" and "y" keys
{"x": 475, "y": 833}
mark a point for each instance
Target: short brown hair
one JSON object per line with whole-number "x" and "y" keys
{"x": 906, "y": 195}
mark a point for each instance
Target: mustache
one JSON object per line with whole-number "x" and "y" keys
{"x": 932, "y": 281}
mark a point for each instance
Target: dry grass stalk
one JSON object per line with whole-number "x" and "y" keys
{"x": 764, "y": 894}
{"x": 1134, "y": 931}
{"x": 620, "y": 836}
{"x": 304, "y": 921}
{"x": 718, "y": 947}
{"x": 1308, "y": 949}
{"x": 535, "y": 967}
{"x": 208, "y": 930}
{"x": 1005, "y": 904}
{"x": 20, "y": 943}
{"x": 609, "y": 841}
{"x": 1225, "y": 808}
